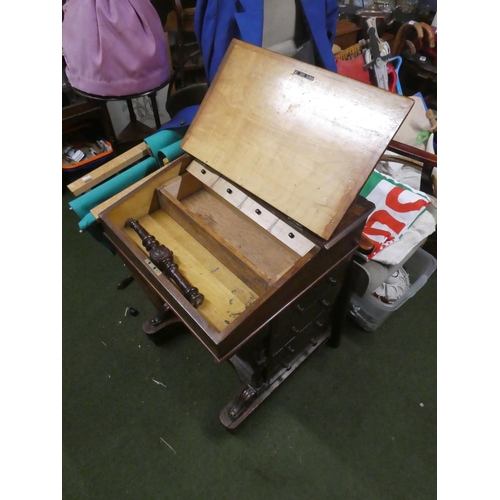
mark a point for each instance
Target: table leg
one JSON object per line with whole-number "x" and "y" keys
{"x": 251, "y": 394}
{"x": 131, "y": 111}
{"x": 161, "y": 325}
{"x": 339, "y": 312}
{"x": 154, "y": 105}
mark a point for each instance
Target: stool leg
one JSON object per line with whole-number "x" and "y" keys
{"x": 131, "y": 111}
{"x": 154, "y": 105}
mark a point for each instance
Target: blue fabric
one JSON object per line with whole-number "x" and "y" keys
{"x": 217, "y": 22}
{"x": 163, "y": 143}
{"x": 86, "y": 221}
{"x": 84, "y": 203}
{"x": 162, "y": 139}
{"x": 182, "y": 119}
{"x": 170, "y": 152}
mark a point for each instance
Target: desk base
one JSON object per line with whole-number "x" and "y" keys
{"x": 251, "y": 367}
{"x": 249, "y": 397}
{"x": 161, "y": 325}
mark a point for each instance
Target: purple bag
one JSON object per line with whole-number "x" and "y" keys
{"x": 114, "y": 47}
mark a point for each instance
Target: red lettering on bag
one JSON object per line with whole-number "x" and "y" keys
{"x": 385, "y": 218}
{"x": 392, "y": 201}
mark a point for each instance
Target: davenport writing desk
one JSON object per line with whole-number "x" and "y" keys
{"x": 247, "y": 239}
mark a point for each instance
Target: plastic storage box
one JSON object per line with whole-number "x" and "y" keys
{"x": 370, "y": 312}
{"x": 74, "y": 170}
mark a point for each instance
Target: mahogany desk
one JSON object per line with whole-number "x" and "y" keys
{"x": 306, "y": 312}
{"x": 262, "y": 215}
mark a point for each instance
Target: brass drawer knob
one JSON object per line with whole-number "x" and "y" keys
{"x": 295, "y": 329}
{"x": 325, "y": 303}
{"x": 332, "y": 280}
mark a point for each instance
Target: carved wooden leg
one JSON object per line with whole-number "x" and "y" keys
{"x": 339, "y": 312}
{"x": 252, "y": 370}
{"x": 243, "y": 401}
{"x": 159, "y": 325}
{"x": 259, "y": 364}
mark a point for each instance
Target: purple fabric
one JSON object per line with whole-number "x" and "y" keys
{"x": 114, "y": 47}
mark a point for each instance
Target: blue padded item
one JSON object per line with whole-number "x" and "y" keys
{"x": 84, "y": 203}
{"x": 182, "y": 118}
{"x": 163, "y": 144}
{"x": 170, "y": 152}
{"x": 162, "y": 139}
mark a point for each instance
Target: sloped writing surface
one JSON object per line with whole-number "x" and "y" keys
{"x": 301, "y": 138}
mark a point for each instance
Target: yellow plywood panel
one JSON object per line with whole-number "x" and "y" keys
{"x": 302, "y": 138}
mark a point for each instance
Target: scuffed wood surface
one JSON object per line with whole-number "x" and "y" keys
{"x": 304, "y": 146}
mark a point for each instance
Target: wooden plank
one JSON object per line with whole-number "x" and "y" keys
{"x": 301, "y": 138}
{"x": 234, "y": 260}
{"x": 249, "y": 251}
{"x": 252, "y": 209}
{"x": 139, "y": 202}
{"x": 110, "y": 168}
{"x": 97, "y": 210}
{"x": 181, "y": 186}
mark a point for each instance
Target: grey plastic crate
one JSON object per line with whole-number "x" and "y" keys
{"x": 370, "y": 312}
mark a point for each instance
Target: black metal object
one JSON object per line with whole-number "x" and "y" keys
{"x": 151, "y": 94}
{"x": 125, "y": 283}
{"x": 132, "y": 311}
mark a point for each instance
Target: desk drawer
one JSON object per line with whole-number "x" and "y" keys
{"x": 296, "y": 344}
{"x": 309, "y": 306}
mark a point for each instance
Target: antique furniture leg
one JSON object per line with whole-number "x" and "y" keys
{"x": 257, "y": 386}
{"x": 156, "y": 113}
{"x": 160, "y": 325}
{"x": 339, "y": 311}
{"x": 251, "y": 369}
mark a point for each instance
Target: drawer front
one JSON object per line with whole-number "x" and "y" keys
{"x": 284, "y": 358}
{"x": 305, "y": 309}
{"x": 312, "y": 330}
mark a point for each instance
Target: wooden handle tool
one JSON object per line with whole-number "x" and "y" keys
{"x": 163, "y": 259}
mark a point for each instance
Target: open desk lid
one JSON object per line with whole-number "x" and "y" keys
{"x": 299, "y": 137}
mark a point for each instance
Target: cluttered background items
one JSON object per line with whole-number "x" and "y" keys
{"x": 407, "y": 26}
{"x": 83, "y": 151}
{"x": 77, "y": 151}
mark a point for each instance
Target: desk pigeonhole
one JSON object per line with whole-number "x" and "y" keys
{"x": 261, "y": 215}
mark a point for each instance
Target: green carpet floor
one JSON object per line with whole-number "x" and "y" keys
{"x": 141, "y": 421}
